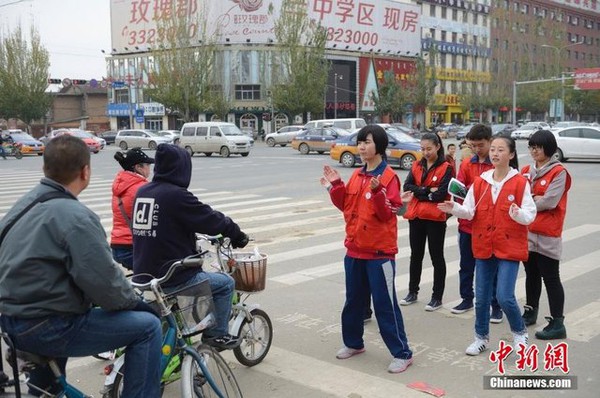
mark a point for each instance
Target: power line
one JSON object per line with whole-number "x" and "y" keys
{"x": 14, "y": 2}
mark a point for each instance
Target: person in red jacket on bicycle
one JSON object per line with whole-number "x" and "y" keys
{"x": 135, "y": 173}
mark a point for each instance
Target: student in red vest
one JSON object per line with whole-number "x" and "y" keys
{"x": 479, "y": 137}
{"x": 428, "y": 181}
{"x": 550, "y": 183}
{"x": 369, "y": 202}
{"x": 501, "y": 206}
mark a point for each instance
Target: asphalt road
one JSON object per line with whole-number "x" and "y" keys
{"x": 275, "y": 195}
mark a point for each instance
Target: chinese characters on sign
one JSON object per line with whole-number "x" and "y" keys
{"x": 555, "y": 357}
{"x": 381, "y": 26}
{"x": 587, "y": 79}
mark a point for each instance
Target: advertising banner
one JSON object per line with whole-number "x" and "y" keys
{"x": 587, "y": 79}
{"x": 378, "y": 26}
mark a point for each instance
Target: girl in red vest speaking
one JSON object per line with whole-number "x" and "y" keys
{"x": 550, "y": 182}
{"x": 369, "y": 202}
{"x": 501, "y": 206}
{"x": 428, "y": 181}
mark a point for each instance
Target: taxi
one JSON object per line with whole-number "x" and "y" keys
{"x": 317, "y": 139}
{"x": 402, "y": 150}
{"x": 29, "y": 145}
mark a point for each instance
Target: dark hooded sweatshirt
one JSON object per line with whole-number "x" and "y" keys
{"x": 166, "y": 217}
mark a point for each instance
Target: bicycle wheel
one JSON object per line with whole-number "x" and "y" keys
{"x": 256, "y": 336}
{"x": 195, "y": 384}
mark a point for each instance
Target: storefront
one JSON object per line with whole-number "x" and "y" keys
{"x": 446, "y": 109}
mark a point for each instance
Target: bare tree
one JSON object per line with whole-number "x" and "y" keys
{"x": 300, "y": 68}
{"x": 422, "y": 85}
{"x": 392, "y": 98}
{"x": 23, "y": 76}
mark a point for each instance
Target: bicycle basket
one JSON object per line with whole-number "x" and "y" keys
{"x": 194, "y": 309}
{"x": 250, "y": 274}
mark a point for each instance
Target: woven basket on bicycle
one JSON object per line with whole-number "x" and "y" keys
{"x": 194, "y": 309}
{"x": 250, "y": 274}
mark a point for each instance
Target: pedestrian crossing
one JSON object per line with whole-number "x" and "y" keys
{"x": 304, "y": 240}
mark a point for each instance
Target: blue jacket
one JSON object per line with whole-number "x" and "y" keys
{"x": 166, "y": 217}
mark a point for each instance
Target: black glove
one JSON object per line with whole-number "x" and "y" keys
{"x": 240, "y": 241}
{"x": 144, "y": 306}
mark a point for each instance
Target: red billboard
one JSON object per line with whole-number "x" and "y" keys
{"x": 587, "y": 79}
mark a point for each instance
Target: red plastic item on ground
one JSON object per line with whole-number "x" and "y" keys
{"x": 427, "y": 388}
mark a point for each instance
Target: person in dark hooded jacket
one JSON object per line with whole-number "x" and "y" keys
{"x": 166, "y": 217}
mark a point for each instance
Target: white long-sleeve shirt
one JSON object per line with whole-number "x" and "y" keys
{"x": 525, "y": 215}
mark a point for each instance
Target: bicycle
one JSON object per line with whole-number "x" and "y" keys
{"x": 247, "y": 321}
{"x": 187, "y": 312}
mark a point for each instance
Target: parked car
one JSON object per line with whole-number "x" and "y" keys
{"x": 214, "y": 137}
{"x": 402, "y": 150}
{"x": 249, "y": 131}
{"x": 563, "y": 125}
{"x": 317, "y": 139}
{"x": 446, "y": 130}
{"x": 108, "y": 136}
{"x": 582, "y": 142}
{"x": 462, "y": 132}
{"x": 93, "y": 145}
{"x": 140, "y": 138}
{"x": 29, "y": 145}
{"x": 283, "y": 136}
{"x": 527, "y": 130}
{"x": 173, "y": 134}
{"x": 503, "y": 129}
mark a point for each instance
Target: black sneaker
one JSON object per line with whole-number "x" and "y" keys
{"x": 368, "y": 316}
{"x": 433, "y": 305}
{"x": 409, "y": 299}
{"x": 496, "y": 316}
{"x": 225, "y": 342}
{"x": 464, "y": 306}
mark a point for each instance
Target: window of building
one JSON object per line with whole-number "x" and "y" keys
{"x": 576, "y": 54}
{"x": 575, "y": 21}
{"x": 122, "y": 96}
{"x": 454, "y": 61}
{"x": 475, "y": 18}
{"x": 474, "y": 40}
{"x": 454, "y": 37}
{"x": 432, "y": 10}
{"x": 464, "y": 62}
{"x": 464, "y": 38}
{"x": 568, "y": 52}
{"x": 443, "y": 35}
{"x": 453, "y": 87}
{"x": 465, "y": 16}
{"x": 525, "y": 9}
{"x": 432, "y": 33}
{"x": 496, "y": 23}
{"x": 443, "y": 87}
{"x": 496, "y": 42}
{"x": 454, "y": 14}
{"x": 444, "y": 13}
{"x": 505, "y": 4}
{"x": 443, "y": 60}
{"x": 494, "y": 65}
{"x": 484, "y": 20}
{"x": 516, "y": 7}
{"x": 249, "y": 92}
{"x": 505, "y": 45}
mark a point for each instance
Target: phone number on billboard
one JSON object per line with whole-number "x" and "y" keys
{"x": 151, "y": 36}
{"x": 349, "y": 36}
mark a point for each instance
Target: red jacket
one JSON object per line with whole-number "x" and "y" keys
{"x": 371, "y": 222}
{"x": 549, "y": 222}
{"x": 494, "y": 232}
{"x": 125, "y": 186}
{"x": 470, "y": 169}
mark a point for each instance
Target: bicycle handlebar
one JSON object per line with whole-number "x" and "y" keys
{"x": 190, "y": 261}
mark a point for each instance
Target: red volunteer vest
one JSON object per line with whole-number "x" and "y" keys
{"x": 422, "y": 209}
{"x": 362, "y": 225}
{"x": 549, "y": 222}
{"x": 494, "y": 232}
{"x": 469, "y": 172}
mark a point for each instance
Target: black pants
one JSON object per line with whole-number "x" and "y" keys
{"x": 540, "y": 267}
{"x": 434, "y": 233}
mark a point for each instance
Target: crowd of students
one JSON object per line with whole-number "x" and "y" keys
{"x": 508, "y": 217}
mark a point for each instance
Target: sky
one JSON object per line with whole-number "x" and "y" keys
{"x": 73, "y": 31}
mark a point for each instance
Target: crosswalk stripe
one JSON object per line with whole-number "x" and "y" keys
{"x": 249, "y": 202}
{"x": 291, "y": 224}
{"x": 255, "y": 210}
{"x": 328, "y": 378}
{"x": 583, "y": 324}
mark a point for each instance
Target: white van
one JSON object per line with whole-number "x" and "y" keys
{"x": 350, "y": 124}
{"x": 214, "y": 137}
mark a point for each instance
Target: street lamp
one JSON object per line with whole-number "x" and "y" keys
{"x": 335, "y": 101}
{"x": 559, "y": 51}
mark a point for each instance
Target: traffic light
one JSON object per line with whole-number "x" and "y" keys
{"x": 54, "y": 81}
{"x": 79, "y": 82}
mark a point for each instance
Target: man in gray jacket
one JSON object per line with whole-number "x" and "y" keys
{"x": 54, "y": 263}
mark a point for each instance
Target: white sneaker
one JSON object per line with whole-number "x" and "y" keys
{"x": 347, "y": 352}
{"x": 520, "y": 339}
{"x": 477, "y": 347}
{"x": 399, "y": 365}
